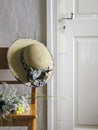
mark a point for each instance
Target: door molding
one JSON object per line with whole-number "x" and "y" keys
{"x": 51, "y": 18}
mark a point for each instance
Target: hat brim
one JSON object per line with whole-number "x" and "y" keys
{"x": 14, "y": 62}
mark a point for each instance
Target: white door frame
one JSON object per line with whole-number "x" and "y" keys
{"x": 51, "y": 8}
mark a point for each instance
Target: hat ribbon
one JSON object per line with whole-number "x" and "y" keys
{"x": 35, "y": 76}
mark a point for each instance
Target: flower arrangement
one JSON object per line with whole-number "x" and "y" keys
{"x": 11, "y": 103}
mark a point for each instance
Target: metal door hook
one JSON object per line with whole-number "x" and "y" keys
{"x": 68, "y": 16}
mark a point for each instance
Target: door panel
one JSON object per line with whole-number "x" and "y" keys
{"x": 87, "y": 6}
{"x": 78, "y": 65}
{"x": 86, "y": 77}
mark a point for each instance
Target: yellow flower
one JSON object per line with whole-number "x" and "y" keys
{"x": 19, "y": 109}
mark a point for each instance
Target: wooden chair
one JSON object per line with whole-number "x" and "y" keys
{"x": 28, "y": 118}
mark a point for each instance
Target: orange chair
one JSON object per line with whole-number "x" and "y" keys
{"x": 28, "y": 118}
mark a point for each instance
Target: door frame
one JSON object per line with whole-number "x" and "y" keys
{"x": 51, "y": 22}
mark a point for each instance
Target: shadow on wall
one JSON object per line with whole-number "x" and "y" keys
{"x": 43, "y": 21}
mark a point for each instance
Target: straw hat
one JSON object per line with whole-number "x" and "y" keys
{"x": 30, "y": 62}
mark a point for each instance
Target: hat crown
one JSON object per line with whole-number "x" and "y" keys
{"x": 37, "y": 56}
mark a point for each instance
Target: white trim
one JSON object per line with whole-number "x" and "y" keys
{"x": 51, "y": 7}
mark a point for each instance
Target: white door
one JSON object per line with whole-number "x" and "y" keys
{"x": 78, "y": 65}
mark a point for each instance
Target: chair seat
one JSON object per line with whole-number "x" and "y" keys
{"x": 20, "y": 119}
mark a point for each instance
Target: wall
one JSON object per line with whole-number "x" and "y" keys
{"x": 24, "y": 19}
